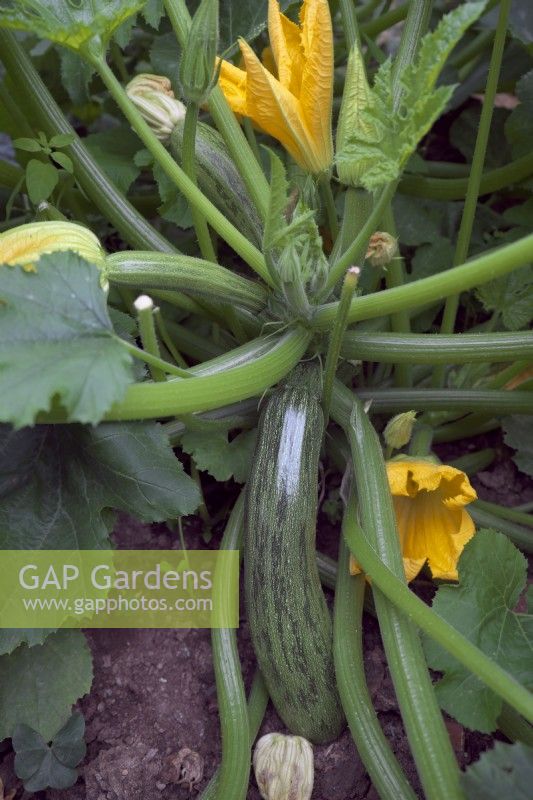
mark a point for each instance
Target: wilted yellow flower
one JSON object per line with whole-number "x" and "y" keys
{"x": 25, "y": 244}
{"x": 154, "y": 98}
{"x": 433, "y": 524}
{"x": 294, "y": 105}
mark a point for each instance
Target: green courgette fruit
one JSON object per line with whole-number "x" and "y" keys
{"x": 289, "y": 620}
{"x": 219, "y": 179}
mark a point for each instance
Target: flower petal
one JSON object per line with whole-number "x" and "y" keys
{"x": 271, "y": 106}
{"x": 443, "y": 560}
{"x": 232, "y": 81}
{"x": 286, "y": 47}
{"x": 316, "y": 94}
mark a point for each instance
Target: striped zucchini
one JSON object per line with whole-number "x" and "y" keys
{"x": 289, "y": 620}
{"x": 219, "y": 179}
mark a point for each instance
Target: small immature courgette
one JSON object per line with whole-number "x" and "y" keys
{"x": 289, "y": 620}
{"x": 219, "y": 179}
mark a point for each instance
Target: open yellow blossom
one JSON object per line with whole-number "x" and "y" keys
{"x": 433, "y": 524}
{"x": 293, "y": 104}
{"x": 25, "y": 244}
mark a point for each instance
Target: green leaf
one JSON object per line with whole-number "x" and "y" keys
{"x": 464, "y": 130}
{"x": 520, "y": 122}
{"x": 11, "y": 638}
{"x": 517, "y": 434}
{"x": 41, "y": 180}
{"x": 388, "y": 135}
{"x": 76, "y": 75}
{"x": 512, "y": 297}
{"x": 174, "y": 207}
{"x": 57, "y": 342}
{"x": 39, "y": 685}
{"x": 64, "y": 161}
{"x": 42, "y": 766}
{"x": 164, "y": 57}
{"x": 153, "y": 11}
{"x": 59, "y": 482}
{"x": 213, "y": 453}
{"x": 492, "y": 576}
{"x": 73, "y": 24}
{"x": 30, "y": 145}
{"x": 115, "y": 150}
{"x": 61, "y": 140}
{"x": 238, "y": 19}
{"x": 506, "y": 771}
{"x": 430, "y": 258}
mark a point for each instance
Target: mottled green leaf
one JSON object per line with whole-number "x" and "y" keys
{"x": 512, "y": 297}
{"x": 520, "y": 123}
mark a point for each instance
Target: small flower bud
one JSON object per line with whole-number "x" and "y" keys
{"x": 198, "y": 61}
{"x": 398, "y": 430}
{"x": 283, "y": 767}
{"x": 382, "y": 248}
{"x": 154, "y": 98}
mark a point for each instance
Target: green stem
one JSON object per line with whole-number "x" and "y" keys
{"x": 257, "y": 703}
{"x": 326, "y": 192}
{"x": 251, "y": 138}
{"x": 471, "y": 463}
{"x": 357, "y": 207}
{"x": 504, "y": 377}
{"x": 474, "y": 659}
{"x": 234, "y": 771}
{"x": 514, "y": 726}
{"x": 223, "y": 227}
{"x": 474, "y": 180}
{"x": 473, "y": 48}
{"x": 424, "y": 726}
{"x": 384, "y": 21}
{"x": 373, "y": 748}
{"x": 225, "y": 120}
{"x": 215, "y": 388}
{"x": 335, "y": 341}
{"x": 349, "y": 22}
{"x": 415, "y": 26}
{"x": 429, "y": 348}
{"x": 144, "y": 271}
{"x": 521, "y": 536}
{"x": 480, "y": 270}
{"x": 506, "y": 513}
{"x": 144, "y": 307}
{"x": 46, "y": 113}
{"x": 471, "y": 425}
{"x": 354, "y": 253}
{"x": 153, "y": 361}
{"x": 460, "y": 400}
{"x": 166, "y": 338}
{"x": 189, "y": 167}
{"x": 445, "y": 189}
{"x": 400, "y": 322}
{"x": 10, "y": 174}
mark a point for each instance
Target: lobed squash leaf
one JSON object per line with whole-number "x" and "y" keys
{"x": 492, "y": 576}
{"x": 395, "y": 119}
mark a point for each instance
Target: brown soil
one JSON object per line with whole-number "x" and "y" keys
{"x": 152, "y": 723}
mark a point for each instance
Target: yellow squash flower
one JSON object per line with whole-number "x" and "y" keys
{"x": 433, "y": 524}
{"x": 25, "y": 244}
{"x": 293, "y": 104}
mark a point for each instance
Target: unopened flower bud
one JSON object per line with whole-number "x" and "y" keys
{"x": 399, "y": 429}
{"x": 154, "y": 98}
{"x": 25, "y": 244}
{"x": 198, "y": 61}
{"x": 382, "y": 248}
{"x": 283, "y": 767}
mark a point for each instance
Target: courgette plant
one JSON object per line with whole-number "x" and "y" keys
{"x": 309, "y": 289}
